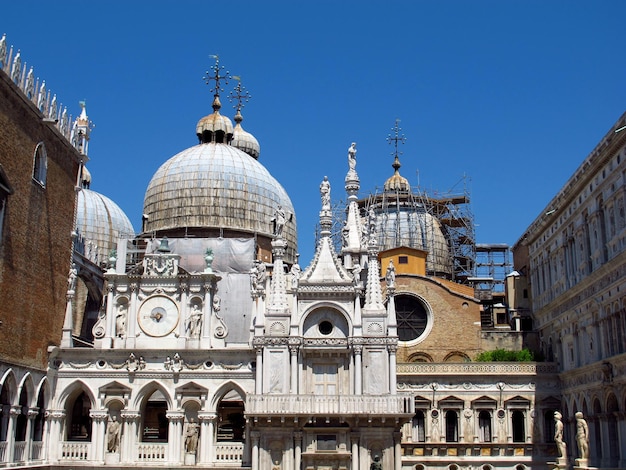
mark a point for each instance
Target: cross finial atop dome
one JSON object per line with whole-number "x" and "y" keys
{"x": 241, "y": 95}
{"x": 214, "y": 75}
{"x": 396, "y": 182}
{"x": 397, "y": 138}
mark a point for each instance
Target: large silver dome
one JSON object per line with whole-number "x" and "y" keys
{"x": 215, "y": 185}
{"x": 99, "y": 223}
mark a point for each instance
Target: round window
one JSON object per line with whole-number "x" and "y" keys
{"x": 325, "y": 327}
{"x": 412, "y": 317}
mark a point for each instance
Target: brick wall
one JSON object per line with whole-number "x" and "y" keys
{"x": 36, "y": 244}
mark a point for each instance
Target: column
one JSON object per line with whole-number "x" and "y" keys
{"x": 354, "y": 440}
{"x": 259, "y": 371}
{"x": 55, "y": 429}
{"x": 32, "y": 414}
{"x": 109, "y": 323}
{"x": 358, "y": 369}
{"x": 392, "y": 369}
{"x": 397, "y": 450}
{"x": 207, "y": 432}
{"x": 98, "y": 432}
{"x": 207, "y": 315}
{"x": 297, "y": 451}
{"x": 184, "y": 312}
{"x": 621, "y": 432}
{"x": 128, "y": 434}
{"x": 293, "y": 350}
{"x": 14, "y": 412}
{"x": 175, "y": 432}
{"x": 131, "y": 319}
{"x": 254, "y": 435}
{"x": 606, "y": 450}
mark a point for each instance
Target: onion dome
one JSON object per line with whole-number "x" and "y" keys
{"x": 215, "y": 127}
{"x": 100, "y": 223}
{"x": 397, "y": 182}
{"x": 216, "y": 186}
{"x": 243, "y": 140}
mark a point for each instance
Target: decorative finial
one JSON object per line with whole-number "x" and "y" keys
{"x": 214, "y": 74}
{"x": 395, "y": 139}
{"x": 240, "y": 94}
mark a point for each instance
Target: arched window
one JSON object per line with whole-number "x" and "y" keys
{"x": 20, "y": 425}
{"x": 79, "y": 425}
{"x": 231, "y": 422}
{"x": 517, "y": 426}
{"x": 155, "y": 422}
{"x": 419, "y": 427}
{"x": 40, "y": 164}
{"x": 484, "y": 426}
{"x": 452, "y": 426}
{"x": 412, "y": 317}
{"x": 40, "y": 418}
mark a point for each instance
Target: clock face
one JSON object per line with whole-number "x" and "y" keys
{"x": 158, "y": 315}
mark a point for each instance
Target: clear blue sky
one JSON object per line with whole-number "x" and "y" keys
{"x": 512, "y": 94}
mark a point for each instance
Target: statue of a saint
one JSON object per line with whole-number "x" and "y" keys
{"x": 279, "y": 221}
{"x": 191, "y": 437}
{"x": 352, "y": 157}
{"x": 295, "y": 274}
{"x": 325, "y": 194}
{"x": 558, "y": 434}
{"x": 71, "y": 278}
{"x": 120, "y": 320}
{"x": 582, "y": 436}
{"x": 194, "y": 322}
{"x": 390, "y": 276}
{"x": 113, "y": 435}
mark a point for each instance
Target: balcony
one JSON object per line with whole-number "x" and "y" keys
{"x": 326, "y": 405}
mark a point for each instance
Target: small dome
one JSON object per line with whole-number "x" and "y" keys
{"x": 243, "y": 140}
{"x": 215, "y": 127}
{"x": 397, "y": 182}
{"x": 100, "y": 222}
{"x": 215, "y": 185}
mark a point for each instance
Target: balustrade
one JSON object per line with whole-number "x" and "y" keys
{"x": 19, "y": 451}
{"x": 151, "y": 452}
{"x": 231, "y": 452}
{"x": 75, "y": 450}
{"x": 330, "y": 404}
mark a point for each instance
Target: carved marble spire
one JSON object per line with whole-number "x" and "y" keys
{"x": 374, "y": 293}
{"x": 352, "y": 232}
{"x": 278, "y": 285}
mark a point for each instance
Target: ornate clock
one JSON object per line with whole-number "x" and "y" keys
{"x": 158, "y": 315}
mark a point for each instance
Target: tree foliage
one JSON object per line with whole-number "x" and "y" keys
{"x": 503, "y": 355}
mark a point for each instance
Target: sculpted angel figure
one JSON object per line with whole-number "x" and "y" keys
{"x": 352, "y": 157}
{"x": 325, "y": 194}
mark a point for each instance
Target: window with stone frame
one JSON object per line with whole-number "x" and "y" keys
{"x": 40, "y": 164}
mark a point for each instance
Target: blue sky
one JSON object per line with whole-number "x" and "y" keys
{"x": 505, "y": 97}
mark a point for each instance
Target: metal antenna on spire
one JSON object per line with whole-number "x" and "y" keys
{"x": 215, "y": 75}
{"x": 240, "y": 94}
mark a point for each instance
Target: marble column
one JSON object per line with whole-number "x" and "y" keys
{"x": 175, "y": 433}
{"x": 98, "y": 433}
{"x": 297, "y": 450}
{"x": 109, "y": 321}
{"x": 55, "y": 436}
{"x": 207, "y": 433}
{"x": 128, "y": 435}
{"x": 392, "y": 348}
{"x": 32, "y": 414}
{"x": 259, "y": 371}
{"x": 131, "y": 319}
{"x": 397, "y": 447}
{"x": 358, "y": 369}
{"x": 354, "y": 441}
{"x": 255, "y": 435}
{"x": 293, "y": 350}
{"x": 14, "y": 412}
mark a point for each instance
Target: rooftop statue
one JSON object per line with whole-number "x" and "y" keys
{"x": 352, "y": 157}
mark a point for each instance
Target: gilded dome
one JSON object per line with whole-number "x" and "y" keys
{"x": 215, "y": 185}
{"x": 99, "y": 223}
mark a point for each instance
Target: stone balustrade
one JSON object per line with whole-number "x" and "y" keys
{"x": 152, "y": 452}
{"x": 476, "y": 368}
{"x": 229, "y": 452}
{"x": 71, "y": 450}
{"x": 352, "y": 405}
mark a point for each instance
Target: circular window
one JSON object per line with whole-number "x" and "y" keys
{"x": 412, "y": 317}
{"x": 325, "y": 327}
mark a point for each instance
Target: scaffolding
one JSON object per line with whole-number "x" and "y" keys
{"x": 441, "y": 224}
{"x": 493, "y": 263}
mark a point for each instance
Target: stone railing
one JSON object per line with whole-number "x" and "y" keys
{"x": 36, "y": 450}
{"x": 477, "y": 368}
{"x": 151, "y": 452}
{"x": 3, "y": 451}
{"x": 19, "y": 451}
{"x": 75, "y": 450}
{"x": 476, "y": 451}
{"x": 229, "y": 452}
{"x": 330, "y": 404}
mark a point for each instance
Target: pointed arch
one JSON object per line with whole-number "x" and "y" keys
{"x": 72, "y": 391}
{"x": 229, "y": 403}
{"x": 146, "y": 392}
{"x": 8, "y": 387}
{"x": 27, "y": 385}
